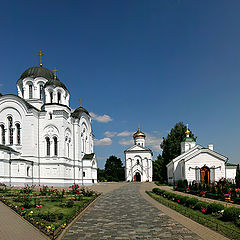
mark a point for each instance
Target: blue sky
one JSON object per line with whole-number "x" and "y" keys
{"x": 148, "y": 62}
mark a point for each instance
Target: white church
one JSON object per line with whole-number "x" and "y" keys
{"x": 200, "y": 164}
{"x": 138, "y": 160}
{"x": 42, "y": 140}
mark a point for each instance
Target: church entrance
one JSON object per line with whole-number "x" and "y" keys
{"x": 205, "y": 175}
{"x": 137, "y": 177}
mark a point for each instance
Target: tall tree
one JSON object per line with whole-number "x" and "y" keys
{"x": 171, "y": 145}
{"x": 114, "y": 170}
{"x": 158, "y": 169}
{"x": 237, "y": 178}
{"x": 101, "y": 175}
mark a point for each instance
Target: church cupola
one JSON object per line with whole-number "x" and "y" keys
{"x": 56, "y": 92}
{"x": 188, "y": 142}
{"x": 139, "y": 138}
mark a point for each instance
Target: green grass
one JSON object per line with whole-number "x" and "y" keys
{"x": 229, "y": 229}
{"x": 160, "y": 184}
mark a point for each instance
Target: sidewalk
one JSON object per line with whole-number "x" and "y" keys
{"x": 170, "y": 189}
{"x": 202, "y": 231}
{"x": 13, "y": 227}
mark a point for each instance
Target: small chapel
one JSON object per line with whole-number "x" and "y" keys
{"x": 138, "y": 160}
{"x": 42, "y": 140}
{"x": 199, "y": 164}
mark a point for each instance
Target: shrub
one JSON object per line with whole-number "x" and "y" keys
{"x": 201, "y": 205}
{"x": 158, "y": 191}
{"x": 214, "y": 207}
{"x": 70, "y": 203}
{"x": 231, "y": 214}
{"x": 191, "y": 202}
{"x": 182, "y": 199}
{"x": 180, "y": 184}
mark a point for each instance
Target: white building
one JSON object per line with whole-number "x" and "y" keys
{"x": 199, "y": 164}
{"x": 138, "y": 160}
{"x": 42, "y": 140}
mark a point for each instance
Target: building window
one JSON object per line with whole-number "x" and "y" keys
{"x": 41, "y": 91}
{"x": 28, "y": 171}
{"x": 137, "y": 162}
{"x": 10, "y": 122}
{"x": 18, "y": 133}
{"x": 59, "y": 97}
{"x": 23, "y": 92}
{"x": 55, "y": 146}
{"x": 84, "y": 174}
{"x": 50, "y": 116}
{"x": 3, "y": 134}
{"x": 68, "y": 149}
{"x": 51, "y": 97}
{"x": 30, "y": 91}
{"x": 48, "y": 146}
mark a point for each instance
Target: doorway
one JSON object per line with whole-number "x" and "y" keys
{"x": 205, "y": 175}
{"x": 137, "y": 177}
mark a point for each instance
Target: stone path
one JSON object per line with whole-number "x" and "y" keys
{"x": 124, "y": 214}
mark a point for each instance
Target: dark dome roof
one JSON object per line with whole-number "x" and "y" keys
{"x": 55, "y": 83}
{"x": 34, "y": 72}
{"x": 77, "y": 112}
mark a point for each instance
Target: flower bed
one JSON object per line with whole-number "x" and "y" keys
{"x": 214, "y": 215}
{"x": 221, "y": 190}
{"x": 52, "y": 211}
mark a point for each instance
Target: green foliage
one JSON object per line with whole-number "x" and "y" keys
{"x": 171, "y": 145}
{"x": 69, "y": 203}
{"x": 182, "y": 183}
{"x": 101, "y": 176}
{"x": 237, "y": 178}
{"x": 114, "y": 169}
{"x": 191, "y": 202}
{"x": 231, "y": 214}
{"x": 214, "y": 207}
{"x": 158, "y": 169}
{"x": 201, "y": 206}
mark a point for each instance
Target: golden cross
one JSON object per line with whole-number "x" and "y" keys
{"x": 138, "y": 126}
{"x": 55, "y": 73}
{"x": 80, "y": 102}
{"x": 187, "y": 126}
{"x": 40, "y": 54}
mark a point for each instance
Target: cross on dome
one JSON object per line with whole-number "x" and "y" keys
{"x": 55, "y": 72}
{"x": 40, "y": 54}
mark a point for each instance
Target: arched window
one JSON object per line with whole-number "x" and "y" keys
{"x": 30, "y": 91}
{"x": 51, "y": 97}
{"x": 55, "y": 146}
{"x": 18, "y": 133}
{"x": 10, "y": 127}
{"x": 50, "y": 115}
{"x": 3, "y": 134}
{"x": 137, "y": 162}
{"x": 23, "y": 92}
{"x": 41, "y": 91}
{"x": 59, "y": 97}
{"x": 48, "y": 145}
{"x": 28, "y": 172}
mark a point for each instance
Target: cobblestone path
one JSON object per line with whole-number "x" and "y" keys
{"x": 124, "y": 214}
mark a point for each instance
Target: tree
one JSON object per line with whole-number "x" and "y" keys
{"x": 171, "y": 146}
{"x": 114, "y": 170}
{"x": 237, "y": 178}
{"x": 158, "y": 169}
{"x": 101, "y": 175}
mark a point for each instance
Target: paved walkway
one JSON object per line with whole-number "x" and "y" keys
{"x": 124, "y": 214}
{"x": 13, "y": 227}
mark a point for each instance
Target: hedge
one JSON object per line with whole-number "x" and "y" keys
{"x": 228, "y": 213}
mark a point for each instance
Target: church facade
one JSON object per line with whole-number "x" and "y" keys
{"x": 138, "y": 160}
{"x": 199, "y": 164}
{"x": 43, "y": 141}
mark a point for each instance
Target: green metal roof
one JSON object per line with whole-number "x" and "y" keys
{"x": 188, "y": 139}
{"x": 88, "y": 156}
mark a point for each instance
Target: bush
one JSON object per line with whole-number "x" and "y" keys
{"x": 180, "y": 184}
{"x": 231, "y": 214}
{"x": 70, "y": 203}
{"x": 182, "y": 199}
{"x": 158, "y": 191}
{"x": 214, "y": 207}
{"x": 191, "y": 202}
{"x": 201, "y": 205}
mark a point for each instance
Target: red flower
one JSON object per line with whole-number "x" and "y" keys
{"x": 30, "y": 199}
{"x": 22, "y": 208}
{"x": 40, "y": 205}
{"x": 42, "y": 197}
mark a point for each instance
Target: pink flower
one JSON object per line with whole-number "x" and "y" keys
{"x": 37, "y": 205}
{"x": 40, "y": 206}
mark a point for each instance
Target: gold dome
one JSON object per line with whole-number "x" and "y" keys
{"x": 139, "y": 134}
